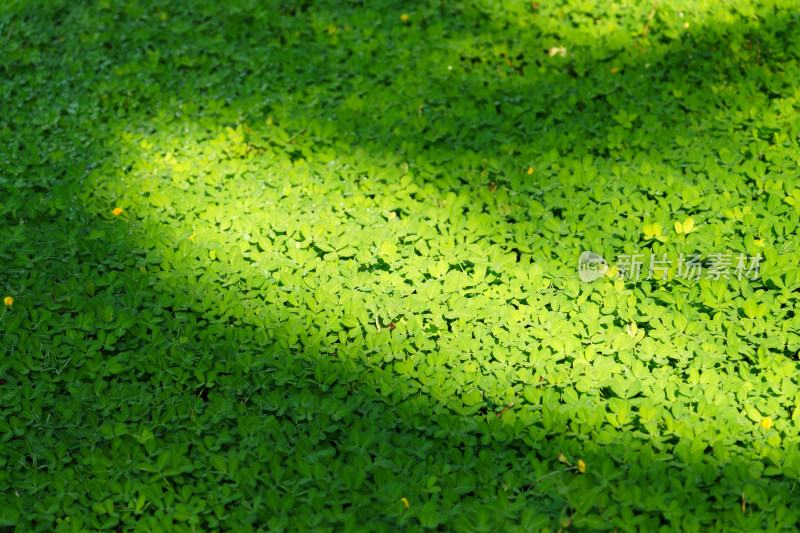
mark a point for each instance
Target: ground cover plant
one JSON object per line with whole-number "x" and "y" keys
{"x": 315, "y": 266}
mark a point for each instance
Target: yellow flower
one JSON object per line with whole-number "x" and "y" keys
{"x": 404, "y": 18}
{"x": 192, "y": 237}
{"x": 614, "y": 70}
{"x": 766, "y": 423}
{"x": 581, "y": 466}
{"x": 9, "y": 301}
{"x": 405, "y": 502}
{"x": 530, "y": 170}
{"x": 117, "y": 211}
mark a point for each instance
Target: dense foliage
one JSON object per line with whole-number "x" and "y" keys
{"x": 294, "y": 265}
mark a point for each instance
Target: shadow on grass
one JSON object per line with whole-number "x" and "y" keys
{"x": 149, "y": 394}
{"x": 209, "y": 415}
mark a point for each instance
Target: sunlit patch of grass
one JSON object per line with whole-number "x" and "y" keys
{"x": 317, "y": 266}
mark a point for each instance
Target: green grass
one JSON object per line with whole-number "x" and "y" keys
{"x": 342, "y": 292}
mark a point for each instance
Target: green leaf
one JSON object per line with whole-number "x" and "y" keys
{"x": 349, "y": 321}
{"x": 750, "y": 307}
{"x": 219, "y": 463}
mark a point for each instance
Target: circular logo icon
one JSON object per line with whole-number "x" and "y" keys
{"x": 591, "y": 266}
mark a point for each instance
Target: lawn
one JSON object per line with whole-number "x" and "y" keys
{"x": 294, "y": 265}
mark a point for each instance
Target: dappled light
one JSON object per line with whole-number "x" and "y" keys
{"x": 280, "y": 266}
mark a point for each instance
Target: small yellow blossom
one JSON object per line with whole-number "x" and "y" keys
{"x": 766, "y": 423}
{"x": 614, "y": 70}
{"x": 405, "y": 502}
{"x": 581, "y": 466}
{"x": 9, "y": 301}
{"x": 530, "y": 170}
{"x": 192, "y": 237}
{"x": 117, "y": 211}
{"x": 404, "y": 18}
